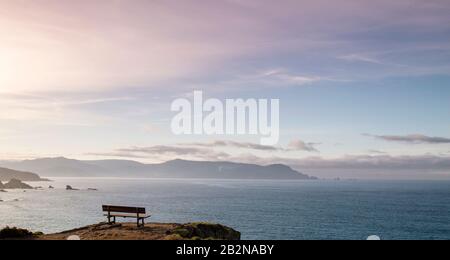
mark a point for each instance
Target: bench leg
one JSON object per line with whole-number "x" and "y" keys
{"x": 140, "y": 222}
{"x": 113, "y": 220}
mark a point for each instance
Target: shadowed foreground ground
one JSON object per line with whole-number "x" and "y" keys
{"x": 151, "y": 231}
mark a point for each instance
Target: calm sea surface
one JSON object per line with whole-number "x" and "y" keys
{"x": 258, "y": 209}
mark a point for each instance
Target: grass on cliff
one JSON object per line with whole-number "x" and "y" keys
{"x": 16, "y": 233}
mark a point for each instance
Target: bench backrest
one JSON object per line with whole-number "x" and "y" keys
{"x": 122, "y": 209}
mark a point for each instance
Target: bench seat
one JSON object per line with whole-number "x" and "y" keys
{"x": 130, "y": 215}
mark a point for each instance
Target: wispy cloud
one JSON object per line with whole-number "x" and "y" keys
{"x": 360, "y": 58}
{"x": 376, "y": 152}
{"x": 299, "y": 145}
{"x": 359, "y": 162}
{"x": 165, "y": 152}
{"x": 203, "y": 150}
{"x": 412, "y": 139}
{"x": 264, "y": 79}
{"x": 294, "y": 145}
{"x": 53, "y": 106}
{"x": 122, "y": 155}
{"x": 243, "y": 145}
{"x": 281, "y": 76}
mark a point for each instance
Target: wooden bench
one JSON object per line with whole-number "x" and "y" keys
{"x": 125, "y": 212}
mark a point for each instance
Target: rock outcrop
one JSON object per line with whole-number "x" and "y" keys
{"x": 8, "y": 174}
{"x": 151, "y": 231}
{"x": 202, "y": 231}
{"x": 17, "y": 184}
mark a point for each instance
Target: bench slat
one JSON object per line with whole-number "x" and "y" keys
{"x": 127, "y": 215}
{"x": 122, "y": 209}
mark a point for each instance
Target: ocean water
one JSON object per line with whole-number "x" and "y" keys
{"x": 258, "y": 209}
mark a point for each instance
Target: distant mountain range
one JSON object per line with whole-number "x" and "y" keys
{"x": 63, "y": 167}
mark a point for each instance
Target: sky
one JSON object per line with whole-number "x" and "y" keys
{"x": 364, "y": 86}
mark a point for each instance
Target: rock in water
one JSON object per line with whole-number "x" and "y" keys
{"x": 16, "y": 184}
{"x": 68, "y": 187}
